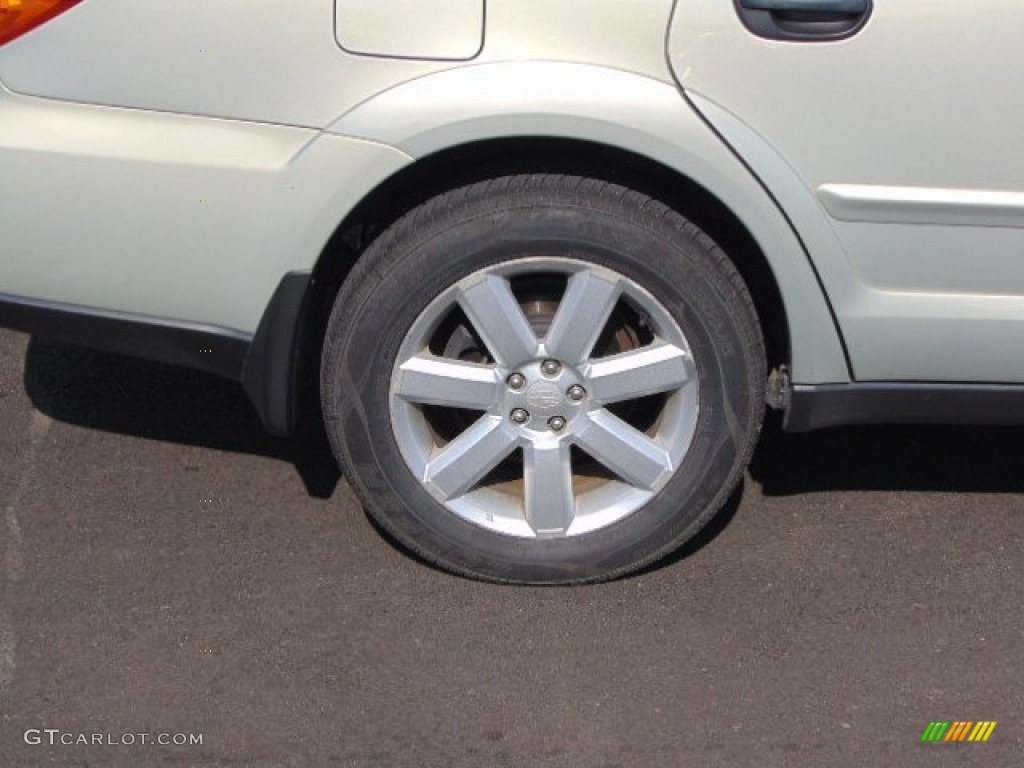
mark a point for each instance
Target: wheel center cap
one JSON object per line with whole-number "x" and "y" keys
{"x": 544, "y": 397}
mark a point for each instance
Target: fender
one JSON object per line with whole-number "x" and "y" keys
{"x": 629, "y": 111}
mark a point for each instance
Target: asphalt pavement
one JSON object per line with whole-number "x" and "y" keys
{"x": 171, "y": 572}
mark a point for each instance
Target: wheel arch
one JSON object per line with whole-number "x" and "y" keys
{"x": 470, "y": 123}
{"x": 477, "y": 161}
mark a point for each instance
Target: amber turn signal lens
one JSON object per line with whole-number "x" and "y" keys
{"x": 20, "y": 16}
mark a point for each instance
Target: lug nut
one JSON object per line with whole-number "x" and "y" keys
{"x": 551, "y": 368}
{"x": 557, "y": 423}
{"x": 519, "y": 416}
{"x": 577, "y": 393}
{"x": 516, "y": 381}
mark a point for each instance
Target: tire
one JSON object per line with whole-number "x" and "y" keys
{"x": 543, "y": 379}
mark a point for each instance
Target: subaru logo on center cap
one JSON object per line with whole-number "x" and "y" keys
{"x": 544, "y": 396}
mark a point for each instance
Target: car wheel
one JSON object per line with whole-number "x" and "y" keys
{"x": 543, "y": 379}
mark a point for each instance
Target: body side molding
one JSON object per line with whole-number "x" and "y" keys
{"x": 209, "y": 348}
{"x": 265, "y": 363}
{"x": 817, "y": 407}
{"x": 923, "y": 205}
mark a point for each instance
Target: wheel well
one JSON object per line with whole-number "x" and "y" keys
{"x": 471, "y": 163}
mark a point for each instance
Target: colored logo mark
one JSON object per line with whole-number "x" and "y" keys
{"x": 959, "y": 730}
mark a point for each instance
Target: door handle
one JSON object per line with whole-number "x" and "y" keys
{"x": 807, "y": 6}
{"x": 804, "y": 20}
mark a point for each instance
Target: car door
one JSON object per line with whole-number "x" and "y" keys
{"x": 889, "y": 132}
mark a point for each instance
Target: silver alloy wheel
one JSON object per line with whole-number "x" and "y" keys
{"x": 549, "y": 450}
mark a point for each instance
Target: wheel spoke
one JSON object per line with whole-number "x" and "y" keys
{"x": 496, "y": 315}
{"x": 431, "y": 380}
{"x": 547, "y": 470}
{"x": 624, "y": 450}
{"x": 659, "y": 367}
{"x": 465, "y": 460}
{"x": 582, "y": 314}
